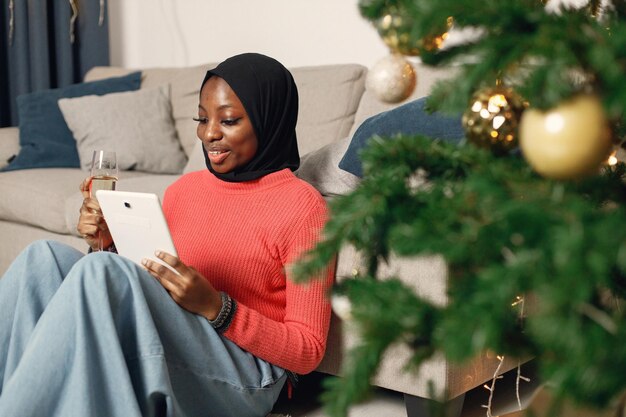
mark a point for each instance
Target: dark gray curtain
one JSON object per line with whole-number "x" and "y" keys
{"x": 39, "y": 53}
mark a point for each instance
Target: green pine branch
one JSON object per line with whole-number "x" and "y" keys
{"x": 504, "y": 232}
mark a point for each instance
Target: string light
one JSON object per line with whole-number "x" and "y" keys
{"x": 492, "y": 388}
{"x": 517, "y": 380}
{"x": 518, "y": 302}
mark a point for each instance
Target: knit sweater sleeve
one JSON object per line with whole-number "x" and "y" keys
{"x": 298, "y": 342}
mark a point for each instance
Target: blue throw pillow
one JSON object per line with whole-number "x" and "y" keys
{"x": 411, "y": 119}
{"x": 45, "y": 139}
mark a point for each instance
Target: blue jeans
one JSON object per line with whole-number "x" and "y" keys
{"x": 97, "y": 336}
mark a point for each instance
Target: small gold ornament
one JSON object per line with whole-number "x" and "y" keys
{"x": 392, "y": 79}
{"x": 492, "y": 119}
{"x": 395, "y": 29}
{"x": 569, "y": 141}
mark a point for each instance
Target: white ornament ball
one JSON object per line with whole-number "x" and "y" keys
{"x": 342, "y": 307}
{"x": 392, "y": 79}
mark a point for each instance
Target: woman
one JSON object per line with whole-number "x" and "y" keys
{"x": 98, "y": 335}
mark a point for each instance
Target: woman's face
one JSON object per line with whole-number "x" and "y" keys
{"x": 224, "y": 127}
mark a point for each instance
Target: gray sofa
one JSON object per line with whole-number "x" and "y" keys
{"x": 44, "y": 203}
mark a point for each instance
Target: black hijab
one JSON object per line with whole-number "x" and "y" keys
{"x": 270, "y": 96}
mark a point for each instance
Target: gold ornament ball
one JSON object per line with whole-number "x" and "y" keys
{"x": 492, "y": 119}
{"x": 394, "y": 28}
{"x": 392, "y": 79}
{"x": 569, "y": 141}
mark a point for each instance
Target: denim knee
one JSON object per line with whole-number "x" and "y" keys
{"x": 105, "y": 268}
{"x": 41, "y": 261}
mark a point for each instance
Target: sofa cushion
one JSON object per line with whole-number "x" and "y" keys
{"x": 138, "y": 182}
{"x": 137, "y": 125}
{"x": 45, "y": 140}
{"x": 319, "y": 168}
{"x": 329, "y": 98}
{"x": 9, "y": 144}
{"x": 184, "y": 92}
{"x": 410, "y": 118}
{"x": 196, "y": 159}
{"x": 37, "y": 196}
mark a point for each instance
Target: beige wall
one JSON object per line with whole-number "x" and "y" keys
{"x": 147, "y": 33}
{"x": 158, "y": 33}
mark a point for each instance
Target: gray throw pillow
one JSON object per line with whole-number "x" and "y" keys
{"x": 137, "y": 125}
{"x": 319, "y": 168}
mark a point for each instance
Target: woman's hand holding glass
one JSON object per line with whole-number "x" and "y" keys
{"x": 104, "y": 174}
{"x": 91, "y": 224}
{"x": 188, "y": 287}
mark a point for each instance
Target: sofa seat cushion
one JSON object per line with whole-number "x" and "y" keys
{"x": 137, "y": 182}
{"x": 37, "y": 196}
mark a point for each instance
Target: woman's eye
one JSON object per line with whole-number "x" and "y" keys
{"x": 200, "y": 119}
{"x": 230, "y": 122}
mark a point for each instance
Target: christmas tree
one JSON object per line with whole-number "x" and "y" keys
{"x": 526, "y": 209}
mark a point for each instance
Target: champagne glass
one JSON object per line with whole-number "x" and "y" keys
{"x": 104, "y": 174}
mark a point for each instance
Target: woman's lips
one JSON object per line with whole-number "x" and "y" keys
{"x": 217, "y": 157}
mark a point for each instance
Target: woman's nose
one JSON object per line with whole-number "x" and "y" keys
{"x": 212, "y": 132}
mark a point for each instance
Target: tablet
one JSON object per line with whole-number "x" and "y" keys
{"x": 137, "y": 224}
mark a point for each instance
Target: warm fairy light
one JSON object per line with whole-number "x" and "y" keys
{"x": 496, "y": 102}
{"x": 519, "y": 300}
{"x": 612, "y": 160}
{"x": 498, "y": 121}
{"x": 491, "y": 388}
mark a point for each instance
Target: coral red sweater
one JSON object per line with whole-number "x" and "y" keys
{"x": 242, "y": 238}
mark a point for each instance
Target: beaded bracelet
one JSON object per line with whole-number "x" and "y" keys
{"x": 225, "y": 316}
{"x": 111, "y": 248}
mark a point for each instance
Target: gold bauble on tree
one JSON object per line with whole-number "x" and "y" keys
{"x": 569, "y": 141}
{"x": 392, "y": 79}
{"x": 493, "y": 117}
{"x": 395, "y": 28}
